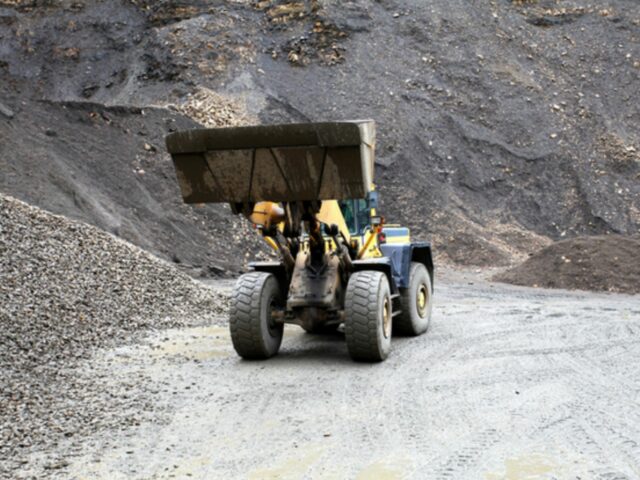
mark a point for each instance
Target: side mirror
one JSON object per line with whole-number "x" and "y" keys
{"x": 376, "y": 221}
{"x": 372, "y": 198}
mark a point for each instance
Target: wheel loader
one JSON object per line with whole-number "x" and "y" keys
{"x": 308, "y": 189}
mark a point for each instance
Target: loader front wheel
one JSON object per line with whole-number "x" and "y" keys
{"x": 416, "y": 303}
{"x": 254, "y": 332}
{"x": 368, "y": 311}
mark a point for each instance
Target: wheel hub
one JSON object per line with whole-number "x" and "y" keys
{"x": 386, "y": 318}
{"x": 271, "y": 318}
{"x": 422, "y": 300}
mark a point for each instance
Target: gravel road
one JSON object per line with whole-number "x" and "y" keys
{"x": 509, "y": 382}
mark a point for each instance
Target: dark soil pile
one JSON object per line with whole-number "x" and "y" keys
{"x": 608, "y": 263}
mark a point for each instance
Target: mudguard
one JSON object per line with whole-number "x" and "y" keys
{"x": 400, "y": 257}
{"x": 382, "y": 264}
{"x": 278, "y": 270}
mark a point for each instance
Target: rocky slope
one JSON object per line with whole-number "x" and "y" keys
{"x": 503, "y": 125}
{"x": 106, "y": 166}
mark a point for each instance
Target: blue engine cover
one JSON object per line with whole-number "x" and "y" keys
{"x": 400, "y": 256}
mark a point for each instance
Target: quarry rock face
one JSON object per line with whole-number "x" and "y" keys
{"x": 500, "y": 127}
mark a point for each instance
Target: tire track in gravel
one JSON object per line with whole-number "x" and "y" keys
{"x": 506, "y": 380}
{"x": 614, "y": 421}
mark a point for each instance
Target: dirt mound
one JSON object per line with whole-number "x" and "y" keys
{"x": 65, "y": 289}
{"x": 602, "y": 263}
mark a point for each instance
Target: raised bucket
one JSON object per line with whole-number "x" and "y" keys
{"x": 293, "y": 162}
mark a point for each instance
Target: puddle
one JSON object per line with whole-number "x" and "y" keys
{"x": 291, "y": 468}
{"x": 186, "y": 468}
{"x": 527, "y": 467}
{"x": 200, "y": 343}
{"x": 380, "y": 471}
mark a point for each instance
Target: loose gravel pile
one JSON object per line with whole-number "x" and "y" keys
{"x": 212, "y": 110}
{"x": 65, "y": 289}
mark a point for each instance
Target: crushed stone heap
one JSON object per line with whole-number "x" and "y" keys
{"x": 66, "y": 288}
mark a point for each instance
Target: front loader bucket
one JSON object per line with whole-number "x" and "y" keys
{"x": 278, "y": 163}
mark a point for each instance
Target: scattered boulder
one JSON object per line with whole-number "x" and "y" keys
{"x": 6, "y": 111}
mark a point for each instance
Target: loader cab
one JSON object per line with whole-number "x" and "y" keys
{"x": 356, "y": 213}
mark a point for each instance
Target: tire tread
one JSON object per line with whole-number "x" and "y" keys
{"x": 403, "y": 323}
{"x": 244, "y": 309}
{"x": 361, "y": 312}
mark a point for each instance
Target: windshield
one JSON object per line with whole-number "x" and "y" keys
{"x": 356, "y": 214}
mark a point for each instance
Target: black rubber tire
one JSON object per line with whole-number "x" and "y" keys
{"x": 366, "y": 298}
{"x": 253, "y": 334}
{"x": 413, "y": 321}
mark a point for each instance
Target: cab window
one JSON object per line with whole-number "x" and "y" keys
{"x": 356, "y": 215}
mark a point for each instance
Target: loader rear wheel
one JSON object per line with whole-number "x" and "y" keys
{"x": 416, "y": 303}
{"x": 254, "y": 332}
{"x": 367, "y": 324}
